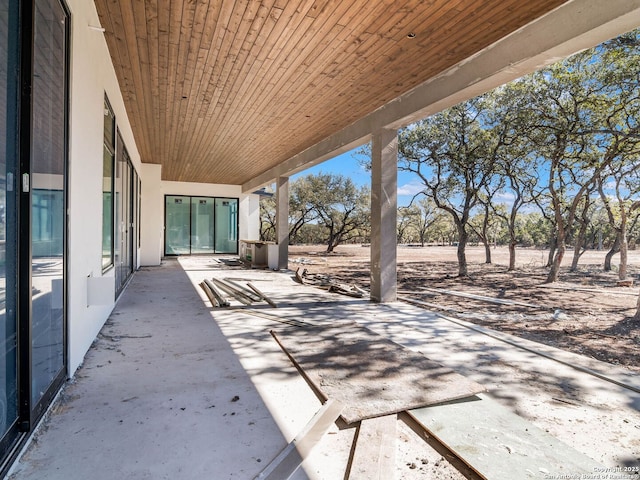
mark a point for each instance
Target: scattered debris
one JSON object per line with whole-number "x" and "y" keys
{"x": 262, "y": 295}
{"x": 499, "y": 301}
{"x": 559, "y": 315}
{"x": 216, "y": 289}
{"x": 245, "y": 291}
{"x": 303, "y": 261}
{"x": 326, "y": 282}
{"x": 230, "y": 262}
{"x": 232, "y": 291}
{"x": 564, "y": 401}
{"x": 214, "y": 295}
{"x": 574, "y": 288}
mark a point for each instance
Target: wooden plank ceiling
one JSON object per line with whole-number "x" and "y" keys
{"x": 220, "y": 91}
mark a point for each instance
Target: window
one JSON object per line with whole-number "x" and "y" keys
{"x": 108, "y": 158}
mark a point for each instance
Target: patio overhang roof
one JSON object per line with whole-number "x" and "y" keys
{"x": 241, "y": 92}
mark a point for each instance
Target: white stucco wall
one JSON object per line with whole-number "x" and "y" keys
{"x": 91, "y": 75}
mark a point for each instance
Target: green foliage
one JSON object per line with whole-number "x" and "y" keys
{"x": 415, "y": 222}
{"x": 268, "y": 219}
{"x": 328, "y": 208}
{"x": 566, "y": 139}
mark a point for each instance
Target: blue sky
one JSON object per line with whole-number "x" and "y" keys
{"x": 347, "y": 164}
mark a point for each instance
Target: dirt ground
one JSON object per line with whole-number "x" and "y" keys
{"x": 585, "y": 312}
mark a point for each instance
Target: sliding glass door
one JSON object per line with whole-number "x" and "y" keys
{"x": 200, "y": 225}
{"x": 125, "y": 222}
{"x": 33, "y": 219}
{"x": 8, "y": 224}
{"x": 48, "y": 198}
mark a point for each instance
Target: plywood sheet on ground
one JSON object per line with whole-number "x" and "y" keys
{"x": 371, "y": 375}
{"x": 499, "y": 444}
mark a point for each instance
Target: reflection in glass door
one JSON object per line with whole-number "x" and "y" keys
{"x": 202, "y": 225}
{"x": 8, "y": 237}
{"x": 33, "y": 151}
{"x": 198, "y": 225}
{"x": 48, "y": 186}
{"x": 226, "y": 225}
{"x": 177, "y": 225}
{"x": 124, "y": 209}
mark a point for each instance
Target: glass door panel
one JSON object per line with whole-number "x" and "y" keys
{"x": 202, "y": 216}
{"x": 123, "y": 218}
{"x": 118, "y": 205}
{"x": 226, "y": 225}
{"x": 8, "y": 254}
{"x": 128, "y": 244}
{"x": 48, "y": 224}
{"x": 177, "y": 225}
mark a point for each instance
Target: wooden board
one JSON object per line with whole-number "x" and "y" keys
{"x": 290, "y": 459}
{"x": 374, "y": 457}
{"x": 371, "y": 375}
{"x": 500, "y": 445}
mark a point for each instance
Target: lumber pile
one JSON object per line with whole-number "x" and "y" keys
{"x": 219, "y": 292}
{"x": 327, "y": 283}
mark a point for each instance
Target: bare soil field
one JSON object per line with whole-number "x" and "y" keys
{"x": 585, "y": 312}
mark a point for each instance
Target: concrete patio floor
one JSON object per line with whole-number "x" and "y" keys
{"x": 175, "y": 389}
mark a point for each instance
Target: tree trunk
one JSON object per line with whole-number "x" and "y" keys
{"x": 557, "y": 261}
{"x": 485, "y": 235}
{"x": 512, "y": 248}
{"x": 622, "y": 271}
{"x": 553, "y": 244}
{"x": 461, "y": 252}
{"x": 331, "y": 243}
{"x": 512, "y": 256}
{"x": 577, "y": 249}
{"x": 487, "y": 251}
{"x": 599, "y": 240}
{"x": 576, "y": 256}
{"x": 615, "y": 248}
{"x": 637, "y": 315}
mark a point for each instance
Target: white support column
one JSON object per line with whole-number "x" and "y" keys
{"x": 282, "y": 221}
{"x": 152, "y": 215}
{"x": 384, "y": 207}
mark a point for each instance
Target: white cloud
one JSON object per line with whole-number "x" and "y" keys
{"x": 504, "y": 197}
{"x": 410, "y": 188}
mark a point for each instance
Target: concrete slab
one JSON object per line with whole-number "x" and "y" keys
{"x": 568, "y": 403}
{"x": 161, "y": 395}
{"x": 176, "y": 389}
